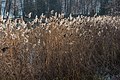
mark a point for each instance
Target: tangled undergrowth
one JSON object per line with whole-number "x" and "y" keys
{"x": 57, "y": 48}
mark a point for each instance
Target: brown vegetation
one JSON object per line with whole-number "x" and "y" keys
{"x": 82, "y": 48}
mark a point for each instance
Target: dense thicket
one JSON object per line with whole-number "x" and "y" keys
{"x": 19, "y": 8}
{"x": 82, "y": 48}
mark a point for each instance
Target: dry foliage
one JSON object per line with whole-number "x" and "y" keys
{"x": 82, "y": 48}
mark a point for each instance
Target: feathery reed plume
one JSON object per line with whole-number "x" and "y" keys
{"x": 58, "y": 48}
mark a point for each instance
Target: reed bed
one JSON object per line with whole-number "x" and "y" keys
{"x": 58, "y": 48}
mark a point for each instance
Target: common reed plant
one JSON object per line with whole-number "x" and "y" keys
{"x": 58, "y": 48}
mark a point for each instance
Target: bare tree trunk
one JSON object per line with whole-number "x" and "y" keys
{"x": 9, "y": 7}
{"x": 0, "y": 6}
{"x": 66, "y": 6}
{"x": 5, "y": 9}
{"x": 70, "y": 6}
{"x": 21, "y": 2}
{"x": 15, "y": 6}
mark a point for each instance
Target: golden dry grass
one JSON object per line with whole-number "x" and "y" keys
{"x": 83, "y": 48}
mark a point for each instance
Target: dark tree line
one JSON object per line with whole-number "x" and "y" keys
{"x": 19, "y": 8}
